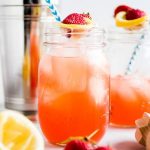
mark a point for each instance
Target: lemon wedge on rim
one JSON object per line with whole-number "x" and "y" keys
{"x": 18, "y": 133}
{"x": 75, "y": 26}
{"x": 78, "y": 26}
{"x": 122, "y": 22}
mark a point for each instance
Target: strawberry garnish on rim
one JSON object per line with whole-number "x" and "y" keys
{"x": 121, "y": 8}
{"x": 76, "y": 24}
{"x": 134, "y": 14}
{"x": 130, "y": 18}
{"x": 76, "y": 18}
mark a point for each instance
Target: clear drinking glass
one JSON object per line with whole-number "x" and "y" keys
{"x": 73, "y": 87}
{"x": 22, "y": 30}
{"x": 129, "y": 57}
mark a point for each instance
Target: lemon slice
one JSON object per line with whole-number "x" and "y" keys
{"x": 75, "y": 26}
{"x": 76, "y": 30}
{"x": 18, "y": 133}
{"x": 122, "y": 22}
{"x": 78, "y": 26}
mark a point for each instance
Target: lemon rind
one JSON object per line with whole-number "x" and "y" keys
{"x": 75, "y": 26}
{"x": 121, "y": 22}
{"x": 22, "y": 120}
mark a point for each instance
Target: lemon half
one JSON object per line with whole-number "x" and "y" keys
{"x": 18, "y": 133}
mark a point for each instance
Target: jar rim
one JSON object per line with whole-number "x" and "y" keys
{"x": 127, "y": 36}
{"x": 121, "y": 30}
{"x": 96, "y": 28}
{"x": 94, "y": 36}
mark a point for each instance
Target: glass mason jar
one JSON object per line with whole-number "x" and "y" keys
{"x": 73, "y": 89}
{"x": 129, "y": 57}
{"x": 22, "y": 29}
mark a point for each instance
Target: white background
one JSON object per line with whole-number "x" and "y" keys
{"x": 101, "y": 10}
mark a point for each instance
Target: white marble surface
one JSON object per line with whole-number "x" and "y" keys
{"x": 117, "y": 138}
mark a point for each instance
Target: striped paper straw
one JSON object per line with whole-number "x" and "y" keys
{"x": 135, "y": 53}
{"x": 53, "y": 9}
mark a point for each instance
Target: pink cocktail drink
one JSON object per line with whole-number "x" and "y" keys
{"x": 73, "y": 91}
{"x": 130, "y": 98}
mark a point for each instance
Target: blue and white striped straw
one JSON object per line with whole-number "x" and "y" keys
{"x": 135, "y": 53}
{"x": 54, "y": 10}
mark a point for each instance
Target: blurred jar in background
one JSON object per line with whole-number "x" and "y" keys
{"x": 129, "y": 56}
{"x": 23, "y": 27}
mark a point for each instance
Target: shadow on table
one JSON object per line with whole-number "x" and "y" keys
{"x": 128, "y": 145}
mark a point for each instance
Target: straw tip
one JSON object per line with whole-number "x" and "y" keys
{"x": 48, "y": 1}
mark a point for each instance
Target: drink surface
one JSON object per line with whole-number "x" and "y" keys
{"x": 73, "y": 96}
{"x": 130, "y": 98}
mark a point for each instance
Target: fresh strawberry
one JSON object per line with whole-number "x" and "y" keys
{"x": 75, "y": 18}
{"x": 121, "y": 8}
{"x": 87, "y": 15}
{"x": 102, "y": 148}
{"x": 134, "y": 14}
{"x": 77, "y": 145}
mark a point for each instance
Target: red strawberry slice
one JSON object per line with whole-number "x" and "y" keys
{"x": 121, "y": 8}
{"x": 102, "y": 148}
{"x": 76, "y": 23}
{"x": 134, "y": 14}
{"x": 87, "y": 15}
{"x": 75, "y": 18}
{"x": 77, "y": 145}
